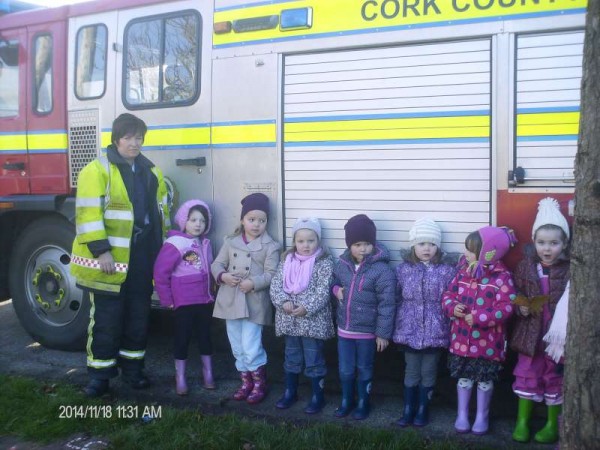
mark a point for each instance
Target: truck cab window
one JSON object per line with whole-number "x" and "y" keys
{"x": 162, "y": 61}
{"x": 42, "y": 74}
{"x": 9, "y": 78}
{"x": 90, "y": 66}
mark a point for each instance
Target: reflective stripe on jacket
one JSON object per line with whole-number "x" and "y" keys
{"x": 104, "y": 212}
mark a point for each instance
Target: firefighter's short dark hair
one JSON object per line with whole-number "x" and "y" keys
{"x": 127, "y": 124}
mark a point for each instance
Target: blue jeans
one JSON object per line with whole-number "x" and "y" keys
{"x": 356, "y": 354}
{"x": 305, "y": 350}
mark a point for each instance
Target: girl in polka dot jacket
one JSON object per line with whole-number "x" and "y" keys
{"x": 478, "y": 302}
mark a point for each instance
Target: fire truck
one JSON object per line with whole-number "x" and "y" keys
{"x": 465, "y": 111}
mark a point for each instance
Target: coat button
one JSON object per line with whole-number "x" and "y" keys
{"x": 233, "y": 267}
{"x": 248, "y": 255}
{"x": 235, "y": 255}
{"x": 247, "y": 268}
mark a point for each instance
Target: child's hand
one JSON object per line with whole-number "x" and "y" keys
{"x": 299, "y": 311}
{"x": 340, "y": 294}
{"x": 246, "y": 286}
{"x": 288, "y": 307}
{"x": 469, "y": 319}
{"x": 460, "y": 310}
{"x": 524, "y": 310}
{"x": 381, "y": 344}
{"x": 230, "y": 279}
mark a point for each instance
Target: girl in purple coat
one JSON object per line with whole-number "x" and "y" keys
{"x": 545, "y": 272}
{"x": 183, "y": 282}
{"x": 478, "y": 303}
{"x": 422, "y": 330}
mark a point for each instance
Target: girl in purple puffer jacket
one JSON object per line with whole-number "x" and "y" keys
{"x": 183, "y": 282}
{"x": 422, "y": 330}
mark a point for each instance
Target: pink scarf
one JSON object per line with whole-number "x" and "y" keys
{"x": 297, "y": 270}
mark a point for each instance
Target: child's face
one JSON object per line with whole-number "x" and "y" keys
{"x": 306, "y": 241}
{"x": 255, "y": 224}
{"x": 425, "y": 251}
{"x": 470, "y": 256}
{"x": 359, "y": 250}
{"x": 195, "y": 225}
{"x": 549, "y": 245}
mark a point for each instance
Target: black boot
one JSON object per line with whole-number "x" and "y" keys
{"x": 347, "y": 399}
{"x": 136, "y": 380}
{"x": 318, "y": 398}
{"x": 96, "y": 388}
{"x": 422, "y": 417}
{"x": 410, "y": 406}
{"x": 364, "y": 405}
{"x": 290, "y": 396}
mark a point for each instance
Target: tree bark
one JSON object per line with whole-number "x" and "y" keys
{"x": 581, "y": 424}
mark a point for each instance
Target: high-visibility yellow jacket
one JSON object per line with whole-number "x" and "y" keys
{"x": 105, "y": 212}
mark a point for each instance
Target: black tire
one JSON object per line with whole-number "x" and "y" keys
{"x": 48, "y": 304}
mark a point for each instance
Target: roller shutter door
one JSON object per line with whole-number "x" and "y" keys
{"x": 549, "y": 68}
{"x": 397, "y": 133}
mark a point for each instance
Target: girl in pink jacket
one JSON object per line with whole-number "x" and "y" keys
{"x": 182, "y": 280}
{"x": 478, "y": 303}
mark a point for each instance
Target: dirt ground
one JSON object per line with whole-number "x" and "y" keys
{"x": 20, "y": 355}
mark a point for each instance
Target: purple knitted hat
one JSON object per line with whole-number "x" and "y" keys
{"x": 256, "y": 201}
{"x": 360, "y": 229}
{"x": 495, "y": 243}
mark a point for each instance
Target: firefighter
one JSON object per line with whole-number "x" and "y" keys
{"x": 122, "y": 216}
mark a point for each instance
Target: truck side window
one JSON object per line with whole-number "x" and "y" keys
{"x": 162, "y": 61}
{"x": 9, "y": 78}
{"x": 42, "y": 74}
{"x": 90, "y": 62}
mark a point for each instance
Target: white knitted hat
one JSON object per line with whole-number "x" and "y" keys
{"x": 549, "y": 214}
{"x": 309, "y": 223}
{"x": 425, "y": 230}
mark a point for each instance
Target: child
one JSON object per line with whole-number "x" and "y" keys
{"x": 182, "y": 281}
{"x": 244, "y": 268}
{"x": 365, "y": 286}
{"x": 544, "y": 272}
{"x": 300, "y": 294}
{"x": 422, "y": 329}
{"x": 478, "y": 302}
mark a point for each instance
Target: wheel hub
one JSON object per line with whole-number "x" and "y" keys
{"x": 49, "y": 292}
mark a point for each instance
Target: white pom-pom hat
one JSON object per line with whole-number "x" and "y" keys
{"x": 549, "y": 214}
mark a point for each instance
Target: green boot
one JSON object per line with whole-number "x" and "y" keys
{"x": 521, "y": 433}
{"x": 549, "y": 434}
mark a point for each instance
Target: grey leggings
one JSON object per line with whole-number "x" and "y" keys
{"x": 421, "y": 367}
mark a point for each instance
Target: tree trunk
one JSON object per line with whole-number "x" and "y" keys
{"x": 582, "y": 370}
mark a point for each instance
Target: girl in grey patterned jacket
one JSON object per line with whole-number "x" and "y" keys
{"x": 300, "y": 294}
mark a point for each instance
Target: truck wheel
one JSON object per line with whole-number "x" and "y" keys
{"x": 48, "y": 304}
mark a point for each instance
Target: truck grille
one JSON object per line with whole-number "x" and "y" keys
{"x": 84, "y": 140}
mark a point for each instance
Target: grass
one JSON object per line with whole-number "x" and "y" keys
{"x": 31, "y": 411}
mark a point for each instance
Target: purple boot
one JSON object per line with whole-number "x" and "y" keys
{"x": 484, "y": 398}
{"x": 462, "y": 424}
{"x": 180, "y": 383}
{"x": 207, "y": 375}
{"x": 259, "y": 391}
{"x": 246, "y": 387}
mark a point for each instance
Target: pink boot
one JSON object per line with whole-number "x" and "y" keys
{"x": 207, "y": 375}
{"x": 246, "y": 387}
{"x": 259, "y": 377}
{"x": 180, "y": 384}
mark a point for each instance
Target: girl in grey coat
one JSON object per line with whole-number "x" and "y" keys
{"x": 244, "y": 268}
{"x": 422, "y": 329}
{"x": 300, "y": 294}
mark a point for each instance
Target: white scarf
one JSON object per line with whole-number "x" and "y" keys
{"x": 557, "y": 333}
